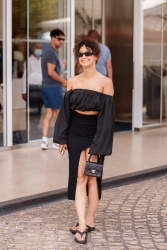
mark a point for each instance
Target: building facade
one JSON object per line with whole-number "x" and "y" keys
{"x": 134, "y": 30}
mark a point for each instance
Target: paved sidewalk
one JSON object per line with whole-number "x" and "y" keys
{"x": 30, "y": 175}
{"x": 130, "y": 217}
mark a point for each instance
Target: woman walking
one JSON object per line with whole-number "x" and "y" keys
{"x": 85, "y": 126}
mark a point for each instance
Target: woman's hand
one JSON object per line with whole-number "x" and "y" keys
{"x": 62, "y": 149}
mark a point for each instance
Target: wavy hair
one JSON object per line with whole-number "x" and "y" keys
{"x": 90, "y": 45}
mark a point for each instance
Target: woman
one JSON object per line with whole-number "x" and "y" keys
{"x": 85, "y": 126}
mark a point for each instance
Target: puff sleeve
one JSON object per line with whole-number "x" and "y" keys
{"x": 63, "y": 121}
{"x": 103, "y": 139}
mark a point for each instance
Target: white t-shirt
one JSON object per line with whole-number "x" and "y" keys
{"x": 34, "y": 72}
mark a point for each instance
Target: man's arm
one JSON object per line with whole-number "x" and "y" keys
{"x": 54, "y": 75}
{"x": 109, "y": 68}
{"x": 24, "y": 90}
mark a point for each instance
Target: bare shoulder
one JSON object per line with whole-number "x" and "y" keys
{"x": 71, "y": 82}
{"x": 108, "y": 88}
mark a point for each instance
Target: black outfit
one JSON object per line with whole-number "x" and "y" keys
{"x": 81, "y": 131}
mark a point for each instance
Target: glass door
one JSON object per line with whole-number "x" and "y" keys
{"x": 32, "y": 22}
{"x": 119, "y": 38}
{"x": 155, "y": 63}
{"x": 19, "y": 56}
{"x": 41, "y": 20}
{"x": 152, "y": 64}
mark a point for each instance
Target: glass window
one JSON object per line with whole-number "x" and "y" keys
{"x": 31, "y": 24}
{"x": 19, "y": 19}
{"x": 119, "y": 38}
{"x": 19, "y": 56}
{"x": 152, "y": 68}
{"x": 44, "y": 17}
{"x": 88, "y": 15}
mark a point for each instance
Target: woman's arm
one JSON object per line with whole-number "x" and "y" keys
{"x": 108, "y": 88}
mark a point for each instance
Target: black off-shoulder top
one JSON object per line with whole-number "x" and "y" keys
{"x": 88, "y": 100}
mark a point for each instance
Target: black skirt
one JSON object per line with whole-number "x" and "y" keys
{"x": 81, "y": 133}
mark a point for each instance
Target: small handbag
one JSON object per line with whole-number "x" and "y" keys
{"x": 94, "y": 169}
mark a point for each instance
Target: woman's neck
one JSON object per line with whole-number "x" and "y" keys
{"x": 89, "y": 72}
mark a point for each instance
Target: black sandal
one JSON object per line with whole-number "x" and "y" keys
{"x": 89, "y": 229}
{"x": 73, "y": 231}
{"x": 81, "y": 241}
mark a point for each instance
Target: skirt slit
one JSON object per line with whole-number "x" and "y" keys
{"x": 80, "y": 136}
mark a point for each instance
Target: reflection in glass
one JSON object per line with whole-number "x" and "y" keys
{"x": 88, "y": 16}
{"x": 119, "y": 38}
{"x": 32, "y": 80}
{"x": 18, "y": 104}
{"x": 152, "y": 71}
{"x": 19, "y": 55}
{"x": 44, "y": 17}
{"x": 19, "y": 19}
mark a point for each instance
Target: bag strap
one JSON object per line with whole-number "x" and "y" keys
{"x": 100, "y": 158}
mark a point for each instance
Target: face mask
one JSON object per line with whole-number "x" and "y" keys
{"x": 37, "y": 52}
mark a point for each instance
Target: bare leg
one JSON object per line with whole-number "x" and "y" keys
{"x": 80, "y": 195}
{"x": 56, "y": 115}
{"x": 46, "y": 121}
{"x": 93, "y": 198}
{"x": 93, "y": 201}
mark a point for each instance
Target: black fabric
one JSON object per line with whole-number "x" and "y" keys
{"x": 63, "y": 121}
{"x": 83, "y": 99}
{"x": 81, "y": 133}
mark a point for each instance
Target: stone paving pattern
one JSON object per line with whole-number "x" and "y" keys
{"x": 129, "y": 217}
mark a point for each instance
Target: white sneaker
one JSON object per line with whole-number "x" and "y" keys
{"x": 55, "y": 146}
{"x": 44, "y": 145}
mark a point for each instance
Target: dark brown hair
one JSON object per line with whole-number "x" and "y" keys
{"x": 90, "y": 45}
{"x": 93, "y": 34}
{"x": 56, "y": 32}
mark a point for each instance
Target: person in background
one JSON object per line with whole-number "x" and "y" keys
{"x": 52, "y": 83}
{"x": 104, "y": 64}
{"x": 85, "y": 126}
{"x": 34, "y": 77}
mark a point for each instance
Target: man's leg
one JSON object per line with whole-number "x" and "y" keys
{"x": 46, "y": 127}
{"x": 56, "y": 145}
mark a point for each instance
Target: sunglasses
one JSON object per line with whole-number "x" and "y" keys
{"x": 87, "y": 53}
{"x": 60, "y": 39}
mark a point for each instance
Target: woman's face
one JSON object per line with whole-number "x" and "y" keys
{"x": 86, "y": 57}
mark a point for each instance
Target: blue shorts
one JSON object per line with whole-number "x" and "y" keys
{"x": 52, "y": 97}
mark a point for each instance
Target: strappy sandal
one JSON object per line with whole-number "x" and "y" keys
{"x": 89, "y": 229}
{"x": 73, "y": 231}
{"x": 81, "y": 233}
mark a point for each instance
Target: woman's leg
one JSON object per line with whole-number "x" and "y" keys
{"x": 93, "y": 201}
{"x": 93, "y": 198}
{"x": 80, "y": 195}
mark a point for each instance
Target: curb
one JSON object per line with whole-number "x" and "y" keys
{"x": 58, "y": 195}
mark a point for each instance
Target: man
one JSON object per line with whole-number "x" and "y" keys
{"x": 52, "y": 83}
{"x": 34, "y": 77}
{"x": 104, "y": 64}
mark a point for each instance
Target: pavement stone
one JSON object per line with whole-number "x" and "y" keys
{"x": 129, "y": 217}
